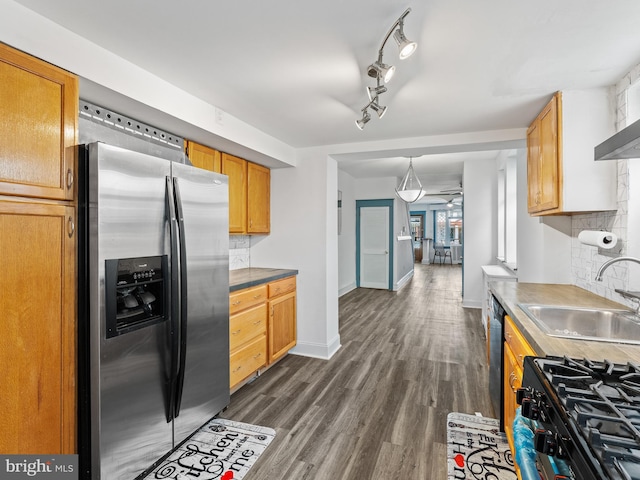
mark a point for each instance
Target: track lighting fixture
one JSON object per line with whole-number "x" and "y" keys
{"x": 365, "y": 118}
{"x": 377, "y": 108}
{"x": 373, "y": 92}
{"x": 383, "y": 72}
{"x": 406, "y": 47}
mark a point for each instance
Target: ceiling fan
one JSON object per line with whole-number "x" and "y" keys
{"x": 451, "y": 195}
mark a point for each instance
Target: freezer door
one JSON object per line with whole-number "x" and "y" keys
{"x": 204, "y": 200}
{"x": 129, "y": 371}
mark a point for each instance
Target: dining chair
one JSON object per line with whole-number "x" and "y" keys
{"x": 442, "y": 253}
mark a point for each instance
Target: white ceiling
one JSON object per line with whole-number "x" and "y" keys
{"x": 296, "y": 69}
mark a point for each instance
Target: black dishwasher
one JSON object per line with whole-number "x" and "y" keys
{"x": 496, "y": 345}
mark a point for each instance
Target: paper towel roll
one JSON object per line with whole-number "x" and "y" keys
{"x": 598, "y": 238}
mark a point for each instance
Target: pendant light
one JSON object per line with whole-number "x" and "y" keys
{"x": 410, "y": 189}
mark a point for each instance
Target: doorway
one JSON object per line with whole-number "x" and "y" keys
{"x": 374, "y": 245}
{"x": 417, "y": 234}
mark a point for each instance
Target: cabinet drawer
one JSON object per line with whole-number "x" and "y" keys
{"x": 244, "y": 299}
{"x": 280, "y": 287}
{"x": 519, "y": 346}
{"x": 247, "y": 360}
{"x": 246, "y": 325}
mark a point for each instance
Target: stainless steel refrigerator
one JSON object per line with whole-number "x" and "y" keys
{"x": 154, "y": 307}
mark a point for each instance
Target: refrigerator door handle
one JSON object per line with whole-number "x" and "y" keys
{"x": 174, "y": 300}
{"x": 183, "y": 300}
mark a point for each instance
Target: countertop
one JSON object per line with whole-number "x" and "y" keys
{"x": 510, "y": 294}
{"x": 250, "y": 277}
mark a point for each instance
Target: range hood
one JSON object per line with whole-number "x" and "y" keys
{"x": 624, "y": 144}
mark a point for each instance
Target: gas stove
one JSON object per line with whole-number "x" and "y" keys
{"x": 588, "y": 417}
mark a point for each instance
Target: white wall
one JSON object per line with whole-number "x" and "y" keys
{"x": 347, "y": 238}
{"x": 544, "y": 243}
{"x": 109, "y": 79}
{"x": 480, "y": 226}
{"x": 304, "y": 236}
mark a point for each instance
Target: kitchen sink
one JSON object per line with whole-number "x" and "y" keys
{"x": 602, "y": 325}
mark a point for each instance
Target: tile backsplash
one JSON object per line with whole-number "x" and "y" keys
{"x": 239, "y": 251}
{"x": 586, "y": 260}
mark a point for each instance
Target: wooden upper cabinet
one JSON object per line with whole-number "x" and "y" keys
{"x": 204, "y": 157}
{"x": 258, "y": 199}
{"x": 236, "y": 169}
{"x": 563, "y": 177}
{"x": 38, "y": 124}
{"x": 38, "y": 328}
{"x": 544, "y": 165}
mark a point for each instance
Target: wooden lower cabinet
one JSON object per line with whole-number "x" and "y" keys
{"x": 262, "y": 327}
{"x": 516, "y": 348}
{"x": 38, "y": 328}
{"x": 282, "y": 325}
{"x": 248, "y": 359}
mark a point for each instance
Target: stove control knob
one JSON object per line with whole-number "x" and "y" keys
{"x": 546, "y": 442}
{"x": 530, "y": 409}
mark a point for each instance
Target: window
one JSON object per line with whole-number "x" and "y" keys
{"x": 448, "y": 226}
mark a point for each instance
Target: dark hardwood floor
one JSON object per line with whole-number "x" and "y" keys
{"x": 378, "y": 408}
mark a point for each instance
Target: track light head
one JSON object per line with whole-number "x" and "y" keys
{"x": 373, "y": 92}
{"x": 363, "y": 121}
{"x": 377, "y": 108}
{"x": 406, "y": 47}
{"x": 381, "y": 70}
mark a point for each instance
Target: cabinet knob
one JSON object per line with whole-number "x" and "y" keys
{"x": 257, "y": 296}
{"x": 236, "y": 332}
{"x": 71, "y": 227}
{"x": 69, "y": 179}
{"x": 237, "y": 302}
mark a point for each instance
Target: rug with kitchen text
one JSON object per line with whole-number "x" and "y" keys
{"x": 221, "y": 449}
{"x": 476, "y": 449}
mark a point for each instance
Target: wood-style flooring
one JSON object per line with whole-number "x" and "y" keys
{"x": 378, "y": 408}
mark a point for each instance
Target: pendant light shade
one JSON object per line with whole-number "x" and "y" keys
{"x": 410, "y": 189}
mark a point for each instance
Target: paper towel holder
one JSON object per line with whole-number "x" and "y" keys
{"x": 616, "y": 251}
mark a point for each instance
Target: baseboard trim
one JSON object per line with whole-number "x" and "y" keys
{"x": 347, "y": 289}
{"x": 471, "y": 304}
{"x": 403, "y": 281}
{"x": 317, "y": 350}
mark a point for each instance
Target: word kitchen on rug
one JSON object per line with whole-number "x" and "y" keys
{"x": 220, "y": 450}
{"x": 476, "y": 449}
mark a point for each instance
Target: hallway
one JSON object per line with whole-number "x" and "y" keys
{"x": 377, "y": 409}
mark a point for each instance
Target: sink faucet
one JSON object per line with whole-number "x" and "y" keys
{"x": 608, "y": 263}
{"x": 635, "y": 296}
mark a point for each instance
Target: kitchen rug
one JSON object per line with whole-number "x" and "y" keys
{"x": 476, "y": 449}
{"x": 220, "y": 450}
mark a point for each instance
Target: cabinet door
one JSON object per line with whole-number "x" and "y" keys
{"x": 282, "y": 325}
{"x": 512, "y": 381}
{"x": 533, "y": 167}
{"x": 544, "y": 165}
{"x": 550, "y": 165}
{"x": 236, "y": 169}
{"x": 258, "y": 198}
{"x": 37, "y": 337}
{"x": 38, "y": 120}
{"x": 204, "y": 157}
